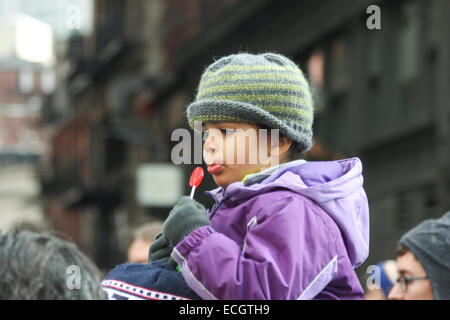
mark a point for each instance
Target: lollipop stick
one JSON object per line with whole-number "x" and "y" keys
{"x": 192, "y": 192}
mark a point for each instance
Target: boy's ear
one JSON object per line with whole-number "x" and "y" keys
{"x": 284, "y": 144}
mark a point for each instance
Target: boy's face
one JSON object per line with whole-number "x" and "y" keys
{"x": 234, "y": 149}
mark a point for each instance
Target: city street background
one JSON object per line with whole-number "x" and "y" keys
{"x": 91, "y": 90}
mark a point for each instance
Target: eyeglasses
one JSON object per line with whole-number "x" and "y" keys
{"x": 404, "y": 281}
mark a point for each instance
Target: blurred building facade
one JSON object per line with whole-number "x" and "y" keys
{"x": 381, "y": 95}
{"x": 25, "y": 81}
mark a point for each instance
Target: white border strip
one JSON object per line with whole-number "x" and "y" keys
{"x": 193, "y": 284}
{"x": 128, "y": 290}
{"x": 307, "y": 294}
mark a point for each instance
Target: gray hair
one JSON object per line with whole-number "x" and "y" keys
{"x": 38, "y": 266}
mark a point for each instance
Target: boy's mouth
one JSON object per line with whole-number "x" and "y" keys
{"x": 215, "y": 168}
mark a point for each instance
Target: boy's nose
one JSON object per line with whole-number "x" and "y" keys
{"x": 209, "y": 145}
{"x": 213, "y": 141}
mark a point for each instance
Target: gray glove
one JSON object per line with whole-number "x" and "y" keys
{"x": 185, "y": 217}
{"x": 161, "y": 250}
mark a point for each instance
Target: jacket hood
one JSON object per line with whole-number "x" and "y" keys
{"x": 335, "y": 186}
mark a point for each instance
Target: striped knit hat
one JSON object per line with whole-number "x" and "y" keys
{"x": 265, "y": 89}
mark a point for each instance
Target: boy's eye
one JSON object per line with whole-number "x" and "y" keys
{"x": 227, "y": 131}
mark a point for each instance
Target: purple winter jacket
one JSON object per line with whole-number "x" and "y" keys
{"x": 295, "y": 231}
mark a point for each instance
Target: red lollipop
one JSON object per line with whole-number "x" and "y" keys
{"x": 195, "y": 180}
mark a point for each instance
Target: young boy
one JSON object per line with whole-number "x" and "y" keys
{"x": 281, "y": 228}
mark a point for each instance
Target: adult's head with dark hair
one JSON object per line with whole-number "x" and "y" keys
{"x": 43, "y": 266}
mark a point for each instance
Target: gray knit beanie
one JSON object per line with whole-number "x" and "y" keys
{"x": 430, "y": 244}
{"x": 265, "y": 89}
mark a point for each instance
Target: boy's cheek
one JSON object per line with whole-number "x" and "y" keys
{"x": 210, "y": 158}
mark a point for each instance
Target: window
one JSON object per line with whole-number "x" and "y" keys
{"x": 408, "y": 42}
{"x": 26, "y": 80}
{"x": 375, "y": 54}
{"x": 415, "y": 205}
{"x": 315, "y": 69}
{"x": 432, "y": 23}
{"x": 339, "y": 80}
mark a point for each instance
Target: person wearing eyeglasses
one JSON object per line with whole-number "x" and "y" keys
{"x": 423, "y": 262}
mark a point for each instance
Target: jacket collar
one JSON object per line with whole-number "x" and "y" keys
{"x": 254, "y": 178}
{"x": 259, "y": 177}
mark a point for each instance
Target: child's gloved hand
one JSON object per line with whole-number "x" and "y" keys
{"x": 160, "y": 248}
{"x": 185, "y": 217}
